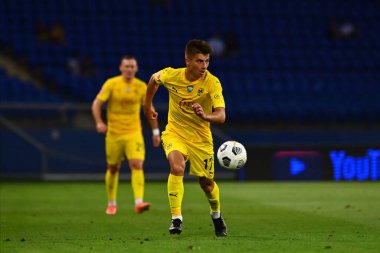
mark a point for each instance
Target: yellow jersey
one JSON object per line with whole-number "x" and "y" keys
{"x": 182, "y": 120}
{"x": 124, "y": 104}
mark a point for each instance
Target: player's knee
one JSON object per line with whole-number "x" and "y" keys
{"x": 177, "y": 169}
{"x": 206, "y": 184}
{"x": 135, "y": 164}
{"x": 113, "y": 168}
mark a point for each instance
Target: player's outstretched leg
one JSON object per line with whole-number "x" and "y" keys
{"x": 211, "y": 189}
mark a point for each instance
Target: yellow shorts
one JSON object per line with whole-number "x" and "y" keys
{"x": 199, "y": 154}
{"x": 120, "y": 147}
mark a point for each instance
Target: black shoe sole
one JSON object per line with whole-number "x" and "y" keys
{"x": 175, "y": 231}
{"x": 221, "y": 235}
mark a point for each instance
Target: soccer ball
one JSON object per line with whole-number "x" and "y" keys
{"x": 232, "y": 155}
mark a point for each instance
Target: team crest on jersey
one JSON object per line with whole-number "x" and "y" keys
{"x": 190, "y": 88}
{"x": 200, "y": 92}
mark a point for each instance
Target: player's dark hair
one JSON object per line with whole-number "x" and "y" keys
{"x": 196, "y": 46}
{"x": 127, "y": 57}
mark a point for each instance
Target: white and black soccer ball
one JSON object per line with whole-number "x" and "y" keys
{"x": 232, "y": 155}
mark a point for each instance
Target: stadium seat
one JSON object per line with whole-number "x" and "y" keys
{"x": 286, "y": 59}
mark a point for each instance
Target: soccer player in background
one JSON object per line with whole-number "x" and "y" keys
{"x": 195, "y": 101}
{"x": 124, "y": 139}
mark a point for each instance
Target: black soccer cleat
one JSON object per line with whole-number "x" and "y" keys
{"x": 220, "y": 227}
{"x": 175, "y": 227}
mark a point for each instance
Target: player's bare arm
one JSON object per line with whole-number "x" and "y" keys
{"x": 156, "y": 139}
{"x": 155, "y": 132}
{"x": 149, "y": 110}
{"x": 217, "y": 116}
{"x": 96, "y": 109}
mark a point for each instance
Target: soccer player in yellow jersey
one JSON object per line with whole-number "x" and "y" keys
{"x": 125, "y": 95}
{"x": 195, "y": 101}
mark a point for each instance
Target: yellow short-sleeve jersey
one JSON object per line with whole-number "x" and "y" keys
{"x": 207, "y": 91}
{"x": 124, "y": 104}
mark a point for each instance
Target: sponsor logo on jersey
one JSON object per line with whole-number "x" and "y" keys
{"x": 186, "y": 105}
{"x": 169, "y": 146}
{"x": 200, "y": 92}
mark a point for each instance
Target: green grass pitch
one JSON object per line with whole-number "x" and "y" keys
{"x": 261, "y": 217}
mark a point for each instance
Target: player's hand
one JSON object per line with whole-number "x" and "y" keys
{"x": 101, "y": 128}
{"x": 150, "y": 112}
{"x": 199, "y": 110}
{"x": 156, "y": 141}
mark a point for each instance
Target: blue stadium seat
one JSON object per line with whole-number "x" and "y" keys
{"x": 286, "y": 59}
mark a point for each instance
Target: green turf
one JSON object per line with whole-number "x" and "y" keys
{"x": 261, "y": 217}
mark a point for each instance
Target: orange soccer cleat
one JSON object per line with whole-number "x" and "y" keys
{"x": 142, "y": 207}
{"x": 111, "y": 209}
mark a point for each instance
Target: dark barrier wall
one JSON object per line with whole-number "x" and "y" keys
{"x": 75, "y": 151}
{"x": 62, "y": 151}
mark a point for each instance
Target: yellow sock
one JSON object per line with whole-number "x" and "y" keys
{"x": 175, "y": 194}
{"x": 112, "y": 181}
{"x": 213, "y": 199}
{"x": 138, "y": 180}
